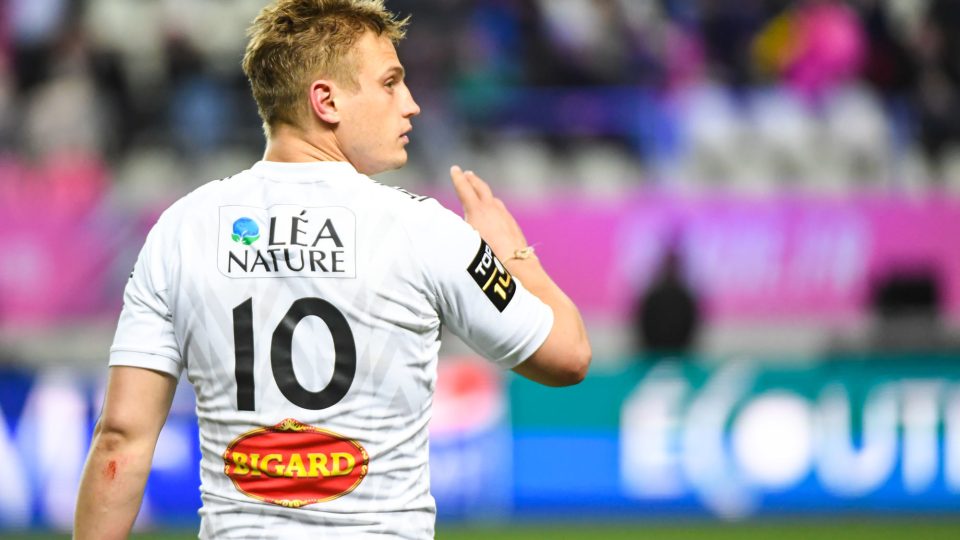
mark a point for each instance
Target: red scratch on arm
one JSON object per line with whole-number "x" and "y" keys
{"x": 110, "y": 471}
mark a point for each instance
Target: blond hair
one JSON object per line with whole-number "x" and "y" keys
{"x": 293, "y": 42}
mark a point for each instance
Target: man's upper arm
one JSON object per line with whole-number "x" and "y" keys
{"x": 137, "y": 403}
{"x": 145, "y": 336}
{"x": 478, "y": 299}
{"x": 145, "y": 360}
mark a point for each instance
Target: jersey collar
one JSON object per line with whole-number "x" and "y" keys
{"x": 299, "y": 172}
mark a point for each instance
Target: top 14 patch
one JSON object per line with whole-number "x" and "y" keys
{"x": 492, "y": 277}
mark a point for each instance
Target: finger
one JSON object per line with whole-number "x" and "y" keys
{"x": 464, "y": 188}
{"x": 482, "y": 188}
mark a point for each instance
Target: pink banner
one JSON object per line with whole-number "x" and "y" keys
{"x": 788, "y": 257}
{"x": 746, "y": 258}
{"x": 58, "y": 244}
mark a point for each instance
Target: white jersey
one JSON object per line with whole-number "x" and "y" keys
{"x": 305, "y": 302}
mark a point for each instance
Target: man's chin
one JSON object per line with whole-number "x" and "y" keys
{"x": 398, "y": 162}
{"x": 385, "y": 166}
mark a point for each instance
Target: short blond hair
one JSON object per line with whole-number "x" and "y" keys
{"x": 294, "y": 42}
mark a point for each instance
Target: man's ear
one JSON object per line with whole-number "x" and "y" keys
{"x": 323, "y": 101}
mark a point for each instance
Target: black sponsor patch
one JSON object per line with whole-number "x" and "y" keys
{"x": 492, "y": 277}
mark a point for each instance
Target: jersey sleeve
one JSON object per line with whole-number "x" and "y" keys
{"x": 477, "y": 298}
{"x": 145, "y": 334}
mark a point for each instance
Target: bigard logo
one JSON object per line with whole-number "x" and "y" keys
{"x": 292, "y": 464}
{"x": 287, "y": 240}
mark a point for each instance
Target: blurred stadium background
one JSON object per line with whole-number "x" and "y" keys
{"x": 756, "y": 203}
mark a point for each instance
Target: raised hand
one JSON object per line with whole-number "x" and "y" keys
{"x": 487, "y": 214}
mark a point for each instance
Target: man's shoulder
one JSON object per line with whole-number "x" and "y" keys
{"x": 396, "y": 196}
{"x": 426, "y": 222}
{"x": 408, "y": 205}
{"x": 213, "y": 191}
{"x": 203, "y": 196}
{"x": 405, "y": 206}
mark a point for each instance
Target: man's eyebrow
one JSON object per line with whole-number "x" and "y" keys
{"x": 396, "y": 71}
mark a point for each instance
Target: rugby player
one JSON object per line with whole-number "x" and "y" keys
{"x": 305, "y": 303}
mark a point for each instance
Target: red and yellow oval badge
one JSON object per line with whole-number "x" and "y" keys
{"x": 293, "y": 464}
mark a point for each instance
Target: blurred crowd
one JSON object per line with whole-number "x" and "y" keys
{"x": 758, "y": 95}
{"x": 753, "y": 94}
{"x": 111, "y": 109}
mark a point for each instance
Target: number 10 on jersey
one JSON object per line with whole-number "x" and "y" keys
{"x": 281, "y": 357}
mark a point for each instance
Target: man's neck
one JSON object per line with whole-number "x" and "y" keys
{"x": 290, "y": 144}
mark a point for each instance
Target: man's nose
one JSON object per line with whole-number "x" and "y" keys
{"x": 411, "y": 109}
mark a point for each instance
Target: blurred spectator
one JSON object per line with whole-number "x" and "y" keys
{"x": 728, "y": 30}
{"x": 35, "y": 27}
{"x": 907, "y": 306}
{"x": 828, "y": 50}
{"x": 938, "y": 87}
{"x": 667, "y": 316}
{"x": 199, "y": 104}
{"x": 7, "y": 108}
{"x": 65, "y": 112}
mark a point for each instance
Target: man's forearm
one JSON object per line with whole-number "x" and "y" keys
{"x": 111, "y": 489}
{"x": 564, "y": 357}
{"x": 536, "y": 280}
